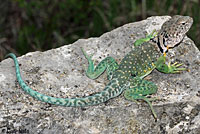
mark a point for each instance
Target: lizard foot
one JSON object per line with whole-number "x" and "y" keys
{"x": 174, "y": 68}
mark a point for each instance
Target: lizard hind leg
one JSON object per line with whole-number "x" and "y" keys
{"x": 108, "y": 64}
{"x": 135, "y": 97}
{"x": 139, "y": 92}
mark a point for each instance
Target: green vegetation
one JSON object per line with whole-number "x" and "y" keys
{"x": 30, "y": 25}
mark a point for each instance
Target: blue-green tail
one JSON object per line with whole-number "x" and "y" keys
{"x": 111, "y": 90}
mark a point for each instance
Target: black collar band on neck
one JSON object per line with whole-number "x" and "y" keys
{"x": 158, "y": 44}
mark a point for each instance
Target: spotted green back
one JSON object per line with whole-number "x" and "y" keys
{"x": 138, "y": 63}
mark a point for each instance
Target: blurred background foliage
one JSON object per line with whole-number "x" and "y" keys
{"x": 32, "y": 25}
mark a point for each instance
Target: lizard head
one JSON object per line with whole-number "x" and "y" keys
{"x": 174, "y": 30}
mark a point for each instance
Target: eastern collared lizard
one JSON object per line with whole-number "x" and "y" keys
{"x": 148, "y": 54}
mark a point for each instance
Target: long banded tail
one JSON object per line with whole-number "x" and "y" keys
{"x": 113, "y": 89}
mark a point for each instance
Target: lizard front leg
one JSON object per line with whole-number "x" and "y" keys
{"x": 147, "y": 38}
{"x": 109, "y": 64}
{"x": 170, "y": 68}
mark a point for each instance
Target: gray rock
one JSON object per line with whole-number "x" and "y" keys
{"x": 60, "y": 73}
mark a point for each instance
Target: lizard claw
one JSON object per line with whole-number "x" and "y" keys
{"x": 152, "y": 35}
{"x": 177, "y": 65}
{"x": 86, "y": 55}
{"x": 174, "y": 68}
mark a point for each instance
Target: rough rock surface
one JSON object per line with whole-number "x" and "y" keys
{"x": 60, "y": 73}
